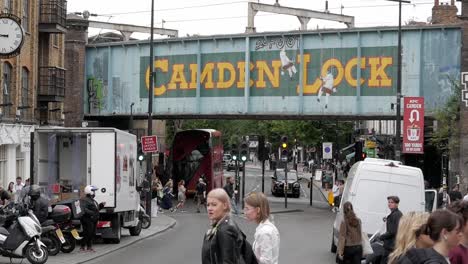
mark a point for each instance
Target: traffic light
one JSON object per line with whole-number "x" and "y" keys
{"x": 262, "y": 151}
{"x": 364, "y": 155}
{"x": 284, "y": 148}
{"x": 244, "y": 151}
{"x": 234, "y": 151}
{"x": 140, "y": 154}
{"x": 358, "y": 154}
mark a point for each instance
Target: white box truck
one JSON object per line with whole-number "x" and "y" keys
{"x": 65, "y": 160}
{"x": 368, "y": 185}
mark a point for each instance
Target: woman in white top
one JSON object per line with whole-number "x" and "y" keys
{"x": 267, "y": 238}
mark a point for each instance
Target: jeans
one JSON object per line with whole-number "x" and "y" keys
{"x": 352, "y": 254}
{"x": 234, "y": 206}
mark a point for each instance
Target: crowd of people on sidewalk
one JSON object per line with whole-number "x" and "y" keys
{"x": 412, "y": 238}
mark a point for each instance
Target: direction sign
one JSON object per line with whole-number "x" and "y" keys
{"x": 149, "y": 144}
{"x": 413, "y": 125}
{"x": 327, "y": 150}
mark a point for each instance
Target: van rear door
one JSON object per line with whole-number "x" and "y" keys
{"x": 101, "y": 166}
{"x": 431, "y": 200}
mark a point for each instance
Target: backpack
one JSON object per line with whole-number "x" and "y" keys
{"x": 246, "y": 251}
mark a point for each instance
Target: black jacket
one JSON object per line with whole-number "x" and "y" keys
{"x": 392, "y": 227}
{"x": 226, "y": 245}
{"x": 422, "y": 256}
{"x": 40, "y": 208}
{"x": 90, "y": 209}
{"x": 229, "y": 188}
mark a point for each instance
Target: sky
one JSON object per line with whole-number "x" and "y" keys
{"x": 213, "y": 17}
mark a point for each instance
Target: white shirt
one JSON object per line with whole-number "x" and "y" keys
{"x": 266, "y": 243}
{"x": 18, "y": 187}
{"x": 465, "y": 198}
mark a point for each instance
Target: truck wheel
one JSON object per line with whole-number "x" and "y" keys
{"x": 135, "y": 230}
{"x": 36, "y": 255}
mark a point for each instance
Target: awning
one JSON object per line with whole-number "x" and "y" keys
{"x": 346, "y": 148}
{"x": 350, "y": 156}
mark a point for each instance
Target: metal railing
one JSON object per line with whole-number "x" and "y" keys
{"x": 53, "y": 12}
{"x": 52, "y": 82}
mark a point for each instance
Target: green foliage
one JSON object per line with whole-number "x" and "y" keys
{"x": 445, "y": 137}
{"x": 306, "y": 133}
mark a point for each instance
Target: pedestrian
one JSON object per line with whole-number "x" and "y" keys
{"x": 410, "y": 236}
{"x": 459, "y": 255}
{"x": 11, "y": 189}
{"x": 200, "y": 193}
{"x": 443, "y": 199}
{"x": 181, "y": 195}
{"x": 444, "y": 228}
{"x": 156, "y": 195}
{"x": 17, "y": 188}
{"x": 23, "y": 196}
{"x": 465, "y": 198}
{"x": 455, "y": 194}
{"x": 267, "y": 238}
{"x": 222, "y": 241}
{"x": 166, "y": 201}
{"x": 350, "y": 238}
{"x": 90, "y": 218}
{"x": 337, "y": 193}
{"x": 4, "y": 197}
{"x": 391, "y": 222}
{"x": 231, "y": 191}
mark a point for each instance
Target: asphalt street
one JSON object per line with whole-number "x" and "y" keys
{"x": 305, "y": 233}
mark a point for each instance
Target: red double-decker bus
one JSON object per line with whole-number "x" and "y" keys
{"x": 197, "y": 153}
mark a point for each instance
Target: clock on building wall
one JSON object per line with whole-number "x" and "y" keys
{"x": 11, "y": 35}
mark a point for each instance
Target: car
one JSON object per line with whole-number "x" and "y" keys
{"x": 226, "y": 159}
{"x": 278, "y": 180}
{"x": 232, "y": 165}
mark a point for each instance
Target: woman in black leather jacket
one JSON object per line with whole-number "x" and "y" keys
{"x": 222, "y": 243}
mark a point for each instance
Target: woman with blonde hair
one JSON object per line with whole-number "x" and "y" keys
{"x": 410, "y": 235}
{"x": 222, "y": 241}
{"x": 267, "y": 238}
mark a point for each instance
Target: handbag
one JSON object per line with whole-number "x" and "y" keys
{"x": 366, "y": 246}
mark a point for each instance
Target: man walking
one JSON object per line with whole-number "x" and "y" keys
{"x": 229, "y": 188}
{"x": 392, "y": 221}
{"x": 201, "y": 193}
{"x": 17, "y": 188}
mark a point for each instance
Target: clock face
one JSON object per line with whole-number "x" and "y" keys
{"x": 11, "y": 36}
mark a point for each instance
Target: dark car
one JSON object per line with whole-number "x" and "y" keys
{"x": 232, "y": 165}
{"x": 278, "y": 181}
{"x": 226, "y": 159}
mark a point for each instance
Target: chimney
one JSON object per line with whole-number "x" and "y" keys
{"x": 444, "y": 14}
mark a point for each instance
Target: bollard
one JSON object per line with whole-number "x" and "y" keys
{"x": 311, "y": 188}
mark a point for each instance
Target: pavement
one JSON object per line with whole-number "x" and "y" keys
{"x": 158, "y": 225}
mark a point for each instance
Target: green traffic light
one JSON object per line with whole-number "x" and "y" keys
{"x": 141, "y": 157}
{"x": 234, "y": 157}
{"x": 244, "y": 158}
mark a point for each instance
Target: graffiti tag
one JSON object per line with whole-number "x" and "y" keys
{"x": 279, "y": 43}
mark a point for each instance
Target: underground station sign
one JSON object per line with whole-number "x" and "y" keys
{"x": 413, "y": 125}
{"x": 149, "y": 144}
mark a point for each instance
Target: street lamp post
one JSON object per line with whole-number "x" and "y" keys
{"x": 398, "y": 94}
{"x": 149, "y": 163}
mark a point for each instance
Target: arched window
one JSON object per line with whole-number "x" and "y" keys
{"x": 24, "y": 90}
{"x": 25, "y": 20}
{"x": 6, "y": 87}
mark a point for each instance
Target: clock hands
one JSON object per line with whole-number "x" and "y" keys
{"x": 4, "y": 35}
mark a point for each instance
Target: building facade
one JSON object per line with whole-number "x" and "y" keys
{"x": 32, "y": 82}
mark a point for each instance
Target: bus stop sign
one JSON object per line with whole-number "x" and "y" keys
{"x": 149, "y": 144}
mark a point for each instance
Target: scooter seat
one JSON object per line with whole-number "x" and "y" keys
{"x": 46, "y": 229}
{"x": 3, "y": 231}
{"x": 48, "y": 222}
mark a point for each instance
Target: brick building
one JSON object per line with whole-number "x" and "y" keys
{"x": 32, "y": 83}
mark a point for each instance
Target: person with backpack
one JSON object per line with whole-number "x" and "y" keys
{"x": 267, "y": 238}
{"x": 443, "y": 227}
{"x": 224, "y": 242}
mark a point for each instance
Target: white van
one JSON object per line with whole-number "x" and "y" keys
{"x": 369, "y": 184}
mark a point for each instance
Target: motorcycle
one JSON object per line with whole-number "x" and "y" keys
{"x": 50, "y": 237}
{"x": 20, "y": 235}
{"x": 144, "y": 218}
{"x": 65, "y": 230}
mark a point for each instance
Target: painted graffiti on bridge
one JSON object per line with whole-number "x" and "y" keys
{"x": 97, "y": 92}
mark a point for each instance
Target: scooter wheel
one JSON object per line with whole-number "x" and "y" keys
{"x": 70, "y": 243}
{"x": 53, "y": 244}
{"x": 36, "y": 255}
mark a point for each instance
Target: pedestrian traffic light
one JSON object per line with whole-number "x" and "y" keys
{"x": 363, "y": 156}
{"x": 262, "y": 151}
{"x": 140, "y": 154}
{"x": 358, "y": 151}
{"x": 284, "y": 148}
{"x": 234, "y": 151}
{"x": 244, "y": 151}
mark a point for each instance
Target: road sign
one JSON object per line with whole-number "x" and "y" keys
{"x": 327, "y": 148}
{"x": 149, "y": 144}
{"x": 413, "y": 125}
